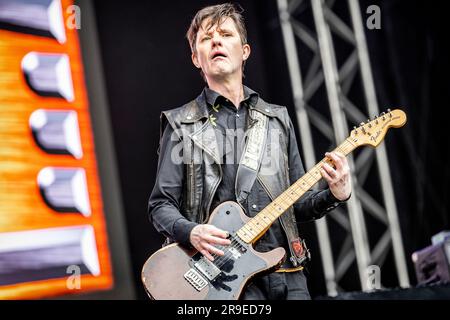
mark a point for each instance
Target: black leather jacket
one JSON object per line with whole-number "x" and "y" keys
{"x": 203, "y": 172}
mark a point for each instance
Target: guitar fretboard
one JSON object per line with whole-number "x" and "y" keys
{"x": 259, "y": 224}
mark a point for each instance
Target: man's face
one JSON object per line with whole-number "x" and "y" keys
{"x": 219, "y": 50}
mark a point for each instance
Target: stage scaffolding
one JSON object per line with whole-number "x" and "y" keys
{"x": 339, "y": 80}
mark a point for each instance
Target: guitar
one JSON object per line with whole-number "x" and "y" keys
{"x": 174, "y": 272}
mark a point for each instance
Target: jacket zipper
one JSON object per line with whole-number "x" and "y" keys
{"x": 203, "y": 218}
{"x": 213, "y": 192}
{"x": 190, "y": 197}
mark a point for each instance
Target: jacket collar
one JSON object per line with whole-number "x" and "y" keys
{"x": 198, "y": 108}
{"x": 264, "y": 108}
{"x": 195, "y": 110}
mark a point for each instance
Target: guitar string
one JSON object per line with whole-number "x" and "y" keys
{"x": 296, "y": 188}
{"x": 222, "y": 260}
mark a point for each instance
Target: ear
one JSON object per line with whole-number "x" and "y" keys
{"x": 195, "y": 60}
{"x": 246, "y": 51}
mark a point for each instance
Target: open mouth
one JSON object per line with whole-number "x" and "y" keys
{"x": 218, "y": 55}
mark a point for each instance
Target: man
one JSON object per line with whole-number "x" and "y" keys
{"x": 215, "y": 169}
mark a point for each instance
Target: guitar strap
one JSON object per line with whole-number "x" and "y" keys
{"x": 252, "y": 156}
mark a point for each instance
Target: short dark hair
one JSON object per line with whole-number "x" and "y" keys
{"x": 217, "y": 14}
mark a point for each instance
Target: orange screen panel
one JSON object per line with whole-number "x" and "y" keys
{"x": 53, "y": 238}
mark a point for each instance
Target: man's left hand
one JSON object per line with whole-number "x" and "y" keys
{"x": 338, "y": 178}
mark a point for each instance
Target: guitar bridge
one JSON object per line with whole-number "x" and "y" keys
{"x": 195, "y": 279}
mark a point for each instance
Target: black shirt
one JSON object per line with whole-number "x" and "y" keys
{"x": 230, "y": 124}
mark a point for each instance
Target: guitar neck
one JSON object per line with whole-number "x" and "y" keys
{"x": 259, "y": 224}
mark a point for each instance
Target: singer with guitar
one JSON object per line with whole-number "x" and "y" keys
{"x": 230, "y": 145}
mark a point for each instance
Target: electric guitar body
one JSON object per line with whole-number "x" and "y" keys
{"x": 176, "y": 273}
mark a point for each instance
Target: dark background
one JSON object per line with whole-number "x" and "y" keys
{"x": 147, "y": 69}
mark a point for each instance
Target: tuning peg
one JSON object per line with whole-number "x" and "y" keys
{"x": 356, "y": 129}
{"x": 388, "y": 110}
{"x": 390, "y": 113}
{"x": 361, "y": 124}
{"x": 368, "y": 123}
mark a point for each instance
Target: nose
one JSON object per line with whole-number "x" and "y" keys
{"x": 216, "y": 39}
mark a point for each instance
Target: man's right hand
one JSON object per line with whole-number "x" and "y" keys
{"x": 203, "y": 237}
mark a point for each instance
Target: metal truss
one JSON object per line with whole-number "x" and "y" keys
{"x": 324, "y": 76}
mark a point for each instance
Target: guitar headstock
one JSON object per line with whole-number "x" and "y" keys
{"x": 373, "y": 132}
